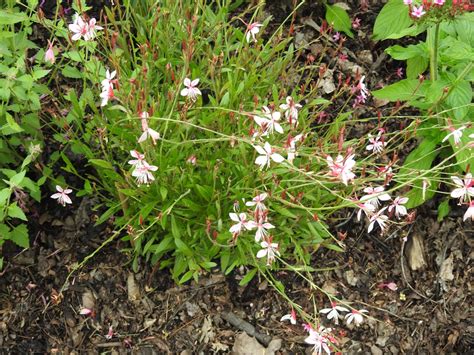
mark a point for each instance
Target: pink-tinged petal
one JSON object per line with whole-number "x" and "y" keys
{"x": 76, "y": 37}
{"x": 59, "y": 188}
{"x": 235, "y": 229}
{"x": 187, "y": 82}
{"x": 67, "y": 191}
{"x": 262, "y": 253}
{"x": 154, "y": 134}
{"x": 260, "y": 120}
{"x": 143, "y": 137}
{"x": 197, "y": 91}
{"x": 66, "y": 199}
{"x": 56, "y": 195}
{"x": 371, "y": 226}
{"x": 85, "y": 311}
{"x": 234, "y": 217}
{"x": 195, "y": 82}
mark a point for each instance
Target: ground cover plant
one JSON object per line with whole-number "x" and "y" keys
{"x": 213, "y": 141}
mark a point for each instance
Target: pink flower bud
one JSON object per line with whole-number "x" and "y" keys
{"x": 49, "y": 54}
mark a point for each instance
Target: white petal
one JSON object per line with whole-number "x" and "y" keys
{"x": 262, "y": 253}
{"x": 187, "y": 82}
{"x": 195, "y": 82}
{"x": 277, "y": 158}
{"x": 185, "y": 92}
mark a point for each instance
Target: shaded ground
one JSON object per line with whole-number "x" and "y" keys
{"x": 429, "y": 313}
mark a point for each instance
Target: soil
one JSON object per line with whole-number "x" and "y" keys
{"x": 43, "y": 293}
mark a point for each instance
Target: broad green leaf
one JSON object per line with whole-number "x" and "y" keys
{"x": 339, "y": 19}
{"x": 404, "y": 90}
{"x": 16, "y": 179}
{"x": 459, "y": 100}
{"x": 403, "y": 53}
{"x": 416, "y": 66}
{"x": 16, "y": 212}
{"x": 418, "y": 162}
{"x": 19, "y": 235}
{"x": 71, "y": 72}
{"x": 11, "y": 127}
{"x": 392, "y": 19}
{"x": 10, "y": 18}
{"x": 4, "y": 195}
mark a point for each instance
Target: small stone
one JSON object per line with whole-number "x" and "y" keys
{"x": 375, "y": 350}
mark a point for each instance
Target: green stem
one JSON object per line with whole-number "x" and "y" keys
{"x": 433, "y": 48}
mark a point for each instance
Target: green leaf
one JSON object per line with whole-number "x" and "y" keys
{"x": 339, "y": 19}
{"x": 16, "y": 212}
{"x": 248, "y": 277}
{"x": 10, "y": 18}
{"x": 40, "y": 73}
{"x": 443, "y": 210}
{"x": 186, "y": 277}
{"x": 284, "y": 212}
{"x": 19, "y": 235}
{"x": 404, "y": 90}
{"x": 418, "y": 162}
{"x": 16, "y": 179}
{"x": 11, "y": 127}
{"x": 392, "y": 19}
{"x": 459, "y": 100}
{"x": 101, "y": 163}
{"x": 4, "y": 196}
{"x": 403, "y": 53}
{"x": 71, "y": 72}
{"x": 416, "y": 66}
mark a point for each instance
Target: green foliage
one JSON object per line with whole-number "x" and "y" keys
{"x": 337, "y": 17}
{"x": 449, "y": 54}
{"x": 181, "y": 220}
{"x": 20, "y": 92}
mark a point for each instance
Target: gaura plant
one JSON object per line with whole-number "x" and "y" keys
{"x": 198, "y": 128}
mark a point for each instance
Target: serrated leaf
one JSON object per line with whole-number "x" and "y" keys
{"x": 16, "y": 212}
{"x": 10, "y": 18}
{"x": 19, "y": 235}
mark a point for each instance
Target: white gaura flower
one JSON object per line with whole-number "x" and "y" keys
{"x": 469, "y": 212}
{"x": 291, "y": 111}
{"x": 107, "y": 87}
{"x": 333, "y": 312}
{"x": 62, "y": 196}
{"x": 319, "y": 340}
{"x": 271, "y": 122}
{"x": 269, "y": 249}
{"x": 257, "y": 201}
{"x": 465, "y": 188}
{"x": 267, "y": 155}
{"x": 355, "y": 316}
{"x": 456, "y": 133}
{"x": 262, "y": 225}
{"x": 377, "y": 145}
{"x": 109, "y": 78}
{"x": 367, "y": 208}
{"x": 397, "y": 204}
{"x": 252, "y": 30}
{"x": 191, "y": 89}
{"x": 375, "y": 196}
{"x": 82, "y": 29}
{"x": 342, "y": 167}
{"x": 143, "y": 173}
{"x": 291, "y": 147}
{"x": 241, "y": 225}
{"x": 291, "y": 317}
{"x": 147, "y": 131}
{"x": 139, "y": 158}
{"x": 380, "y": 219}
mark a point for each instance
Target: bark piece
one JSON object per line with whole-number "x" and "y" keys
{"x": 415, "y": 252}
